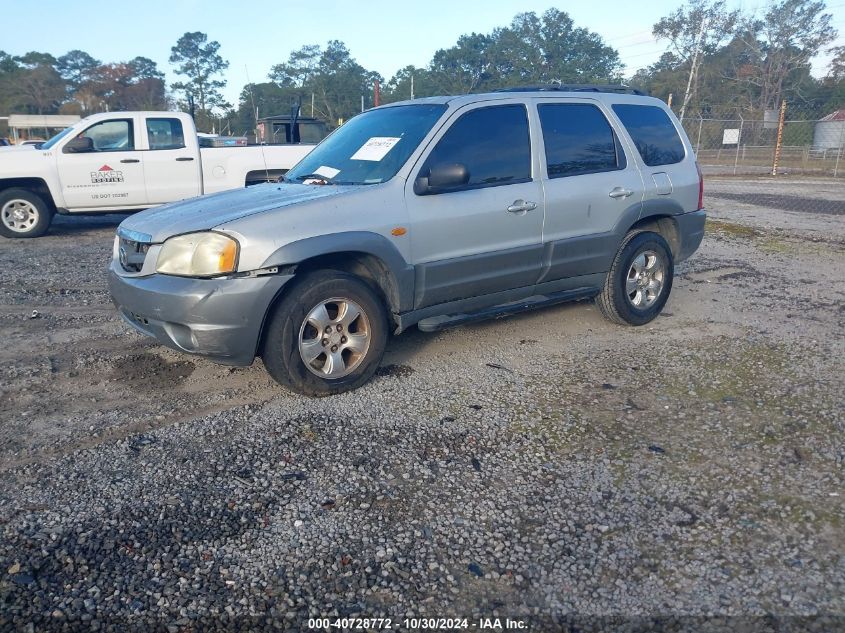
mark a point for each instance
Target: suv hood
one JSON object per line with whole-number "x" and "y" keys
{"x": 206, "y": 212}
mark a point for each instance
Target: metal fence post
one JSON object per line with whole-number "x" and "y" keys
{"x": 839, "y": 149}
{"x": 779, "y": 138}
{"x": 698, "y": 142}
{"x": 738, "y": 141}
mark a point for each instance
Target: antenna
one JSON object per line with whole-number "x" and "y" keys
{"x": 254, "y": 109}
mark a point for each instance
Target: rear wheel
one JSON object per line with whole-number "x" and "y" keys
{"x": 327, "y": 335}
{"x": 640, "y": 280}
{"x": 23, "y": 213}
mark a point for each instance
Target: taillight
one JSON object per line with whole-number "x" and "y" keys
{"x": 700, "y": 186}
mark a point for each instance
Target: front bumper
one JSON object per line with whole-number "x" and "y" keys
{"x": 690, "y": 232}
{"x": 217, "y": 318}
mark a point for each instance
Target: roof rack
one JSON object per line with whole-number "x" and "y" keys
{"x": 559, "y": 87}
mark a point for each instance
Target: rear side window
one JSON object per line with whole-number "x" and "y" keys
{"x": 492, "y": 143}
{"x": 654, "y": 135}
{"x": 165, "y": 134}
{"x": 578, "y": 140}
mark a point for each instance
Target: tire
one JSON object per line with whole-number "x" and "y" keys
{"x": 23, "y": 213}
{"x": 292, "y": 326}
{"x": 628, "y": 297}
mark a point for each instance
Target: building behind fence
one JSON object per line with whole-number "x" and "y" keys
{"x": 811, "y": 143}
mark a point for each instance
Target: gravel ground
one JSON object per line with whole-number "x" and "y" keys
{"x": 551, "y": 468}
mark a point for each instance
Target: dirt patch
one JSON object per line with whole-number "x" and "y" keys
{"x": 151, "y": 371}
{"x": 731, "y": 228}
{"x": 399, "y": 371}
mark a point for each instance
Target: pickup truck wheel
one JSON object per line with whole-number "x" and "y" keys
{"x": 326, "y": 336}
{"x": 640, "y": 280}
{"x": 23, "y": 213}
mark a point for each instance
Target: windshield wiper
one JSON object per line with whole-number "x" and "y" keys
{"x": 325, "y": 179}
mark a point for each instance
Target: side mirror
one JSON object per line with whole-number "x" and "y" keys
{"x": 441, "y": 178}
{"x": 78, "y": 145}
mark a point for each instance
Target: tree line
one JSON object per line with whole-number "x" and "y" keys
{"x": 721, "y": 60}
{"x": 76, "y": 83}
{"x": 715, "y": 58}
{"x": 533, "y": 49}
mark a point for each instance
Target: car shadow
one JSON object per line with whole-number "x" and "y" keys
{"x": 75, "y": 225}
{"x": 577, "y": 315}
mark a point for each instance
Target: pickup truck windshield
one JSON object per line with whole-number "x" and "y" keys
{"x": 55, "y": 139}
{"x": 370, "y": 148}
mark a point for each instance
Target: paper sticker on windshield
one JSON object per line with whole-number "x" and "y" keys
{"x": 376, "y": 148}
{"x": 328, "y": 172}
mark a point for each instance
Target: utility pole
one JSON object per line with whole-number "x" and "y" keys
{"x": 377, "y": 94}
{"x": 693, "y": 67}
{"x": 412, "y": 87}
{"x": 312, "y": 104}
{"x": 362, "y": 103}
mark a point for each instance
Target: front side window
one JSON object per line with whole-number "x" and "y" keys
{"x": 653, "y": 133}
{"x": 578, "y": 140}
{"x": 165, "y": 134}
{"x": 110, "y": 136}
{"x": 492, "y": 143}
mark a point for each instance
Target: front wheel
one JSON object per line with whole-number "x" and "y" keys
{"x": 640, "y": 280}
{"x": 23, "y": 213}
{"x": 326, "y": 336}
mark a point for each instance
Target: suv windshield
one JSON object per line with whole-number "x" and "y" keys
{"x": 370, "y": 148}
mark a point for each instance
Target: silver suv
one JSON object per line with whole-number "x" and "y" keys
{"x": 433, "y": 212}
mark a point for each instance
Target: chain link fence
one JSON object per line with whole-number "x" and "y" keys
{"x": 737, "y": 145}
{"x": 792, "y": 158}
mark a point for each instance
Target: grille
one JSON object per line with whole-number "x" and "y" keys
{"x": 132, "y": 254}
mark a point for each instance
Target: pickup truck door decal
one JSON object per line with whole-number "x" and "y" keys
{"x": 87, "y": 181}
{"x": 106, "y": 174}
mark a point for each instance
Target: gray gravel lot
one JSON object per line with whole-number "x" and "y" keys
{"x": 550, "y": 467}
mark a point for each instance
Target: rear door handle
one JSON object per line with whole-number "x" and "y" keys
{"x": 130, "y": 160}
{"x": 521, "y": 206}
{"x": 181, "y": 158}
{"x": 620, "y": 192}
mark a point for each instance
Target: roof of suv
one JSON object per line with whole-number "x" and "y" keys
{"x": 604, "y": 93}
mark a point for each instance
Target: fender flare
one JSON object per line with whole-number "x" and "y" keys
{"x": 365, "y": 242}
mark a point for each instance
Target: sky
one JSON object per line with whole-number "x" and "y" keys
{"x": 382, "y": 35}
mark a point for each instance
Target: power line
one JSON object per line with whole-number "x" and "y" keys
{"x": 622, "y": 37}
{"x": 655, "y": 52}
{"x": 634, "y": 44}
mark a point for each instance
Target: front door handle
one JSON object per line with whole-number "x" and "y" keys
{"x": 130, "y": 160}
{"x": 620, "y": 192}
{"x": 521, "y": 206}
{"x": 181, "y": 158}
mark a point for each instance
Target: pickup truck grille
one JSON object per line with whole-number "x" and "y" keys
{"x": 132, "y": 254}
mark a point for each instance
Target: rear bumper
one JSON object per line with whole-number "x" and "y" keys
{"x": 690, "y": 232}
{"x": 217, "y": 318}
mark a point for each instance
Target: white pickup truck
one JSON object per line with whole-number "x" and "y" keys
{"x": 125, "y": 161}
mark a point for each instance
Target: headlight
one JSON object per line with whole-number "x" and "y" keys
{"x": 198, "y": 255}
